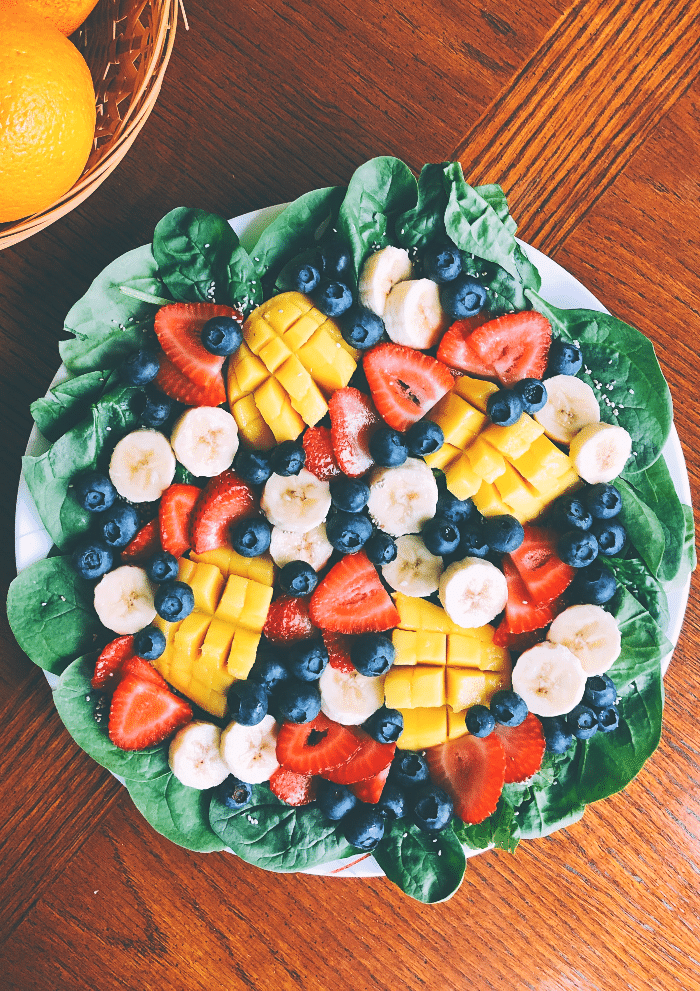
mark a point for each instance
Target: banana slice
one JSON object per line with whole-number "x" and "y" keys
{"x": 591, "y": 634}
{"x": 550, "y": 679}
{"x": 600, "y": 452}
{"x": 297, "y": 503}
{"x": 142, "y": 466}
{"x": 313, "y": 547}
{"x": 571, "y": 404}
{"x": 473, "y": 592}
{"x": 402, "y": 499}
{"x": 250, "y": 752}
{"x": 413, "y": 314}
{"x": 382, "y": 270}
{"x": 124, "y": 600}
{"x": 194, "y": 756}
{"x": 349, "y": 697}
{"x": 414, "y": 571}
{"x": 205, "y": 439}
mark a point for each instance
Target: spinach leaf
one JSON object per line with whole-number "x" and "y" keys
{"x": 106, "y": 323}
{"x": 690, "y": 556}
{"x": 296, "y": 228}
{"x": 496, "y": 198}
{"x": 86, "y": 445}
{"x": 270, "y": 834}
{"x": 644, "y": 643}
{"x": 633, "y": 575}
{"x": 426, "y": 221}
{"x": 642, "y": 525}
{"x": 428, "y": 868}
{"x": 179, "y": 813}
{"x": 50, "y": 611}
{"x": 504, "y": 294}
{"x": 74, "y": 698}
{"x": 68, "y": 402}
{"x": 655, "y": 487}
{"x": 500, "y": 830}
{"x": 550, "y": 801}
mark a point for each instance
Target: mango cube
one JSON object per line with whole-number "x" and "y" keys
{"x": 475, "y": 391}
{"x": 276, "y": 410}
{"x": 515, "y": 440}
{"x": 466, "y": 686}
{"x": 461, "y": 479}
{"x": 459, "y": 421}
{"x": 423, "y": 727}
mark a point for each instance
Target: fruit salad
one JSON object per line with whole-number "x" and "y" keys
{"x": 361, "y": 546}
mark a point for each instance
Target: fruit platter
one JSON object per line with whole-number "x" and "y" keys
{"x": 347, "y": 541}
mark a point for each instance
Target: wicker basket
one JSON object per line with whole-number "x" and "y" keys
{"x": 127, "y": 45}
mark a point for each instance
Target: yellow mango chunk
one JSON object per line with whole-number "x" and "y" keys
{"x": 243, "y": 650}
{"x": 274, "y": 353}
{"x": 458, "y": 419}
{"x": 207, "y": 583}
{"x": 484, "y": 460}
{"x": 229, "y": 562}
{"x": 468, "y": 652}
{"x": 330, "y": 364}
{"x": 256, "y": 605}
{"x": 185, "y": 570}
{"x": 260, "y": 569}
{"x": 304, "y": 394}
{"x": 190, "y": 636}
{"x": 461, "y": 479}
{"x": 475, "y": 391}
{"x": 488, "y": 501}
{"x": 522, "y": 500}
{"x": 568, "y": 482}
{"x": 466, "y": 686}
{"x": 281, "y": 311}
{"x": 542, "y": 462}
{"x": 211, "y": 701}
{"x": 257, "y": 332}
{"x": 216, "y": 645}
{"x": 301, "y": 330}
{"x": 245, "y": 373}
{"x": 456, "y": 725}
{"x": 427, "y": 685}
{"x": 232, "y": 600}
{"x": 252, "y": 429}
{"x": 423, "y": 727}
{"x": 276, "y": 410}
{"x": 419, "y": 647}
{"x": 515, "y": 440}
{"x": 443, "y": 457}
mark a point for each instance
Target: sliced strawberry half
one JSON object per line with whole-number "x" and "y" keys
{"x": 145, "y": 544}
{"x": 352, "y": 599}
{"x": 544, "y": 573}
{"x": 143, "y": 714}
{"x": 370, "y": 790}
{"x": 523, "y": 614}
{"x": 515, "y": 345}
{"x": 517, "y": 642}
{"x": 174, "y": 515}
{"x": 315, "y": 747}
{"x": 288, "y": 620}
{"x": 293, "y": 788}
{"x": 472, "y": 771}
{"x": 455, "y": 350}
{"x": 405, "y": 384}
{"x": 338, "y": 647}
{"x": 225, "y": 500}
{"x": 320, "y": 459}
{"x": 108, "y": 664}
{"x": 370, "y": 758}
{"x": 523, "y": 746}
{"x": 178, "y": 328}
{"x": 141, "y": 668}
{"x": 175, "y": 384}
{"x": 353, "y": 421}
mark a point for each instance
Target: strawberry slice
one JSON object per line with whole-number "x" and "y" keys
{"x": 370, "y": 790}
{"x": 472, "y": 771}
{"x": 405, "y": 384}
{"x": 315, "y": 747}
{"x": 515, "y": 345}
{"x": 174, "y": 515}
{"x": 173, "y": 383}
{"x": 288, "y": 620}
{"x": 145, "y": 544}
{"x": 544, "y": 573}
{"x": 517, "y": 642}
{"x": 368, "y": 760}
{"x": 178, "y": 328}
{"x": 455, "y": 350}
{"x": 523, "y": 746}
{"x": 352, "y": 599}
{"x": 523, "y": 614}
{"x": 293, "y": 788}
{"x": 353, "y": 421}
{"x": 109, "y": 663}
{"x": 320, "y": 459}
{"x": 224, "y": 500}
{"x": 143, "y": 714}
{"x": 338, "y": 647}
{"x": 141, "y": 668}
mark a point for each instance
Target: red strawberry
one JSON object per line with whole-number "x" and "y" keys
{"x": 143, "y": 714}
{"x": 141, "y": 668}
{"x": 405, "y": 383}
{"x": 472, "y": 771}
{"x": 288, "y": 620}
{"x": 455, "y": 350}
{"x": 544, "y": 573}
{"x": 178, "y": 328}
{"x": 517, "y": 642}
{"x": 338, "y": 647}
{"x": 353, "y": 421}
{"x": 145, "y": 544}
{"x": 110, "y": 661}
{"x": 352, "y": 599}
{"x": 293, "y": 788}
{"x": 368, "y": 760}
{"x": 224, "y": 500}
{"x": 515, "y": 345}
{"x": 371, "y": 789}
{"x": 315, "y": 747}
{"x": 320, "y": 459}
{"x": 174, "y": 515}
{"x": 173, "y": 383}
{"x": 522, "y": 613}
{"x": 523, "y": 746}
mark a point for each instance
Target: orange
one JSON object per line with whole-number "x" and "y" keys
{"x": 47, "y": 115}
{"x": 66, "y": 15}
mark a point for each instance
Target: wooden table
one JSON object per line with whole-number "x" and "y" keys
{"x": 588, "y": 116}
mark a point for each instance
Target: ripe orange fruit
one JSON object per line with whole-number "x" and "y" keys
{"x": 47, "y": 110}
{"x": 66, "y": 15}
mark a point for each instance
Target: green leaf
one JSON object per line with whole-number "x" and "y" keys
{"x": 636, "y": 578}
{"x": 427, "y": 867}
{"x": 179, "y": 813}
{"x": 415, "y": 228}
{"x": 656, "y": 489}
{"x": 51, "y": 613}
{"x": 690, "y": 556}
{"x": 68, "y": 402}
{"x": 642, "y": 525}
{"x": 500, "y": 830}
{"x": 550, "y": 801}
{"x": 496, "y": 199}
{"x": 296, "y": 228}
{"x": 644, "y": 643}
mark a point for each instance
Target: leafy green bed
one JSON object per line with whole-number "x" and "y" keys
{"x": 197, "y": 256}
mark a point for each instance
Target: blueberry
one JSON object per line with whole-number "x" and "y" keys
{"x": 372, "y": 654}
{"x": 600, "y": 692}
{"x": 149, "y": 643}
{"x": 348, "y": 532}
{"x": 349, "y": 494}
{"x": 504, "y": 407}
{"x": 608, "y": 719}
{"x": 564, "y": 358}
{"x": 388, "y": 447}
{"x": 577, "y": 548}
{"x": 335, "y": 801}
{"x": 140, "y": 367}
{"x": 305, "y": 277}
{"x": 381, "y": 548}
{"x": 472, "y": 540}
{"x": 384, "y": 725}
{"x": 173, "y": 601}
{"x": 409, "y": 769}
{"x": 234, "y": 793}
{"x": 288, "y": 458}
{"x": 162, "y": 567}
{"x": 432, "y": 809}
{"x": 332, "y": 298}
{"x": 392, "y": 803}
{"x": 440, "y": 536}
{"x": 611, "y": 536}
{"x": 297, "y": 701}
{"x": 307, "y": 660}
{"x": 268, "y": 670}
{"x": 462, "y": 297}
{"x": 363, "y": 827}
{"x": 94, "y": 491}
{"x": 571, "y": 511}
{"x": 250, "y": 538}
{"x": 298, "y": 578}
{"x": 532, "y": 394}
{"x": 508, "y": 708}
{"x": 222, "y": 336}
{"x": 595, "y": 584}
{"x": 92, "y": 558}
{"x": 361, "y": 328}
{"x": 480, "y": 721}
{"x": 582, "y": 722}
{"x": 252, "y": 467}
{"x": 118, "y": 525}
{"x": 247, "y": 702}
{"x": 504, "y": 534}
{"x": 442, "y": 261}
{"x": 557, "y": 735}
{"x": 424, "y": 437}
{"x": 157, "y": 409}
{"x": 336, "y": 260}
{"x": 603, "y": 501}
{"x": 454, "y": 509}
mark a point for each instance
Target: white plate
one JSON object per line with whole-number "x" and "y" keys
{"x": 32, "y": 542}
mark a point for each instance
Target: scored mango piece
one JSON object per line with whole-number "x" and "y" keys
{"x": 484, "y": 460}
{"x": 459, "y": 421}
{"x": 276, "y": 410}
{"x": 515, "y": 440}
{"x": 488, "y": 501}
{"x": 443, "y": 457}
{"x": 252, "y": 429}
{"x": 461, "y": 479}
{"x": 466, "y": 687}
{"x": 419, "y": 647}
{"x": 304, "y": 394}
{"x": 456, "y": 725}
{"x": 475, "y": 391}
{"x": 470, "y": 652}
{"x": 328, "y": 358}
{"x": 229, "y": 562}
{"x": 243, "y": 650}
{"x": 423, "y": 727}
{"x": 207, "y": 583}
{"x": 542, "y": 462}
{"x": 521, "y": 499}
